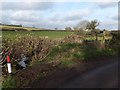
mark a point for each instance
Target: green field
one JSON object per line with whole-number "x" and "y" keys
{"x": 49, "y": 34}
{"x": 39, "y": 32}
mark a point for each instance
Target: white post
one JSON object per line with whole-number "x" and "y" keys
{"x": 9, "y": 65}
{"x": 9, "y": 68}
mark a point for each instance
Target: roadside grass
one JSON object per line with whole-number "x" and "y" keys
{"x": 67, "y": 53}
{"x": 61, "y": 51}
{"x": 93, "y": 53}
{"x": 8, "y": 83}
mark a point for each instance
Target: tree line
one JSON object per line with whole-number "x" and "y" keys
{"x": 20, "y": 25}
{"x": 90, "y": 27}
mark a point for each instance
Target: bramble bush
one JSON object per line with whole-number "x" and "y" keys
{"x": 33, "y": 47}
{"x": 114, "y": 43}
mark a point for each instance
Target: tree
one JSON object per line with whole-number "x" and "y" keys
{"x": 81, "y": 32}
{"x": 92, "y": 26}
{"x": 115, "y": 41}
{"x": 76, "y": 29}
{"x": 68, "y": 29}
{"x": 95, "y": 32}
{"x": 56, "y": 28}
{"x": 82, "y": 25}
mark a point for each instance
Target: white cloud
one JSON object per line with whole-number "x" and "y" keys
{"x": 103, "y": 5}
{"x": 28, "y": 16}
{"x": 28, "y": 1}
{"x": 6, "y": 16}
{"x": 73, "y": 15}
{"x": 109, "y": 24}
{"x": 77, "y": 14}
{"x": 32, "y": 18}
{"x": 27, "y": 5}
{"x": 61, "y": 0}
{"x": 70, "y": 18}
{"x": 116, "y": 17}
{"x": 102, "y": 0}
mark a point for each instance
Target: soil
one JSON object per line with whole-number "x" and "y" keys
{"x": 30, "y": 74}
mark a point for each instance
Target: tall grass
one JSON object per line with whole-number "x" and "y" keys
{"x": 8, "y": 83}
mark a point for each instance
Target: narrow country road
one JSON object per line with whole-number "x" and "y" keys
{"x": 102, "y": 77}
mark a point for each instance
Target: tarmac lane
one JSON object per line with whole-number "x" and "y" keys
{"x": 103, "y": 77}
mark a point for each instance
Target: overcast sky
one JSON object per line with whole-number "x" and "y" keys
{"x": 59, "y": 14}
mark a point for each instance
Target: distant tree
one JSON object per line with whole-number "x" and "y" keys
{"x": 92, "y": 26}
{"x": 20, "y": 25}
{"x": 33, "y": 26}
{"x": 56, "y": 28}
{"x": 81, "y": 32}
{"x": 82, "y": 25}
{"x": 68, "y": 29}
{"x": 76, "y": 29}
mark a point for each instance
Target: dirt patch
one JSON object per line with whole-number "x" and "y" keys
{"x": 30, "y": 74}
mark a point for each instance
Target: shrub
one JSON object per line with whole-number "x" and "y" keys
{"x": 115, "y": 41}
{"x": 34, "y": 48}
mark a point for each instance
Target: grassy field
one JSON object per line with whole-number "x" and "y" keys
{"x": 15, "y": 34}
{"x": 49, "y": 34}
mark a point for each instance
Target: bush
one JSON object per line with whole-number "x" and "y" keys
{"x": 81, "y": 33}
{"x": 34, "y": 48}
{"x": 115, "y": 42}
{"x": 63, "y": 48}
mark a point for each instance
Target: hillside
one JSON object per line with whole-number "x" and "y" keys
{"x": 15, "y": 28}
